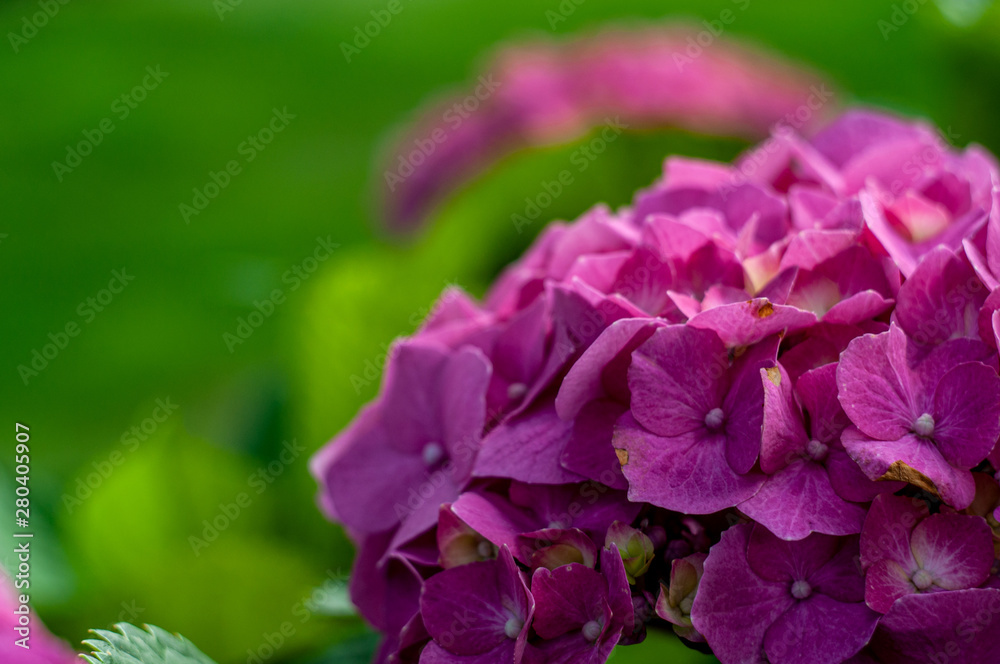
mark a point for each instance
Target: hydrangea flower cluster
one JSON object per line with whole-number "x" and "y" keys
{"x": 758, "y": 407}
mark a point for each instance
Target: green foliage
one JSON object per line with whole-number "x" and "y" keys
{"x": 660, "y": 648}
{"x": 126, "y": 547}
{"x": 131, "y": 645}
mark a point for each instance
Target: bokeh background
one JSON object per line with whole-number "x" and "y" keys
{"x": 114, "y": 509}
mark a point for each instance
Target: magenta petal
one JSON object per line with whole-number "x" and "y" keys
{"x": 456, "y": 403}
{"x": 859, "y": 130}
{"x": 687, "y": 473}
{"x": 857, "y": 308}
{"x": 619, "y": 592}
{"x": 494, "y": 518}
{"x": 435, "y": 654}
{"x": 589, "y": 451}
{"x": 370, "y": 483}
{"x": 527, "y": 448}
{"x": 734, "y": 607}
{"x": 980, "y": 264}
{"x": 518, "y": 352}
{"x": 871, "y": 382}
{"x": 554, "y": 547}
{"x": 676, "y": 377}
{"x": 386, "y": 589}
{"x": 744, "y": 405}
{"x": 993, "y": 235}
{"x": 817, "y": 392}
{"x": 851, "y": 483}
{"x": 598, "y": 270}
{"x": 781, "y": 561}
{"x": 745, "y": 323}
{"x": 566, "y": 599}
{"x": 432, "y": 402}
{"x": 940, "y": 299}
{"x": 799, "y": 500}
{"x": 888, "y": 528}
{"x": 574, "y": 649}
{"x": 584, "y": 382}
{"x": 899, "y": 249}
{"x": 809, "y": 207}
{"x": 422, "y": 509}
{"x": 955, "y": 486}
{"x": 957, "y": 627}
{"x": 809, "y": 248}
{"x": 784, "y": 436}
{"x": 39, "y": 646}
{"x": 579, "y": 315}
{"x": 820, "y": 630}
{"x": 885, "y": 582}
{"x": 561, "y": 506}
{"x": 466, "y": 609}
{"x": 967, "y": 414}
{"x": 842, "y": 577}
{"x": 956, "y": 550}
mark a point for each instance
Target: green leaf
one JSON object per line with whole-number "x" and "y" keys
{"x": 659, "y": 647}
{"x": 131, "y": 645}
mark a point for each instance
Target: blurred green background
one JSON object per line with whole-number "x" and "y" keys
{"x": 114, "y": 510}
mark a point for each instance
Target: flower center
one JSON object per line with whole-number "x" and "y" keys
{"x": 924, "y": 426}
{"x": 923, "y": 579}
{"x": 592, "y": 630}
{"x": 432, "y": 454}
{"x": 686, "y": 604}
{"x": 485, "y": 549}
{"x": 816, "y": 450}
{"x": 516, "y": 390}
{"x": 801, "y": 589}
{"x": 513, "y": 628}
{"x": 713, "y": 420}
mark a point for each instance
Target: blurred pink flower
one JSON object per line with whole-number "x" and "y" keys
{"x": 39, "y": 647}
{"x": 544, "y": 92}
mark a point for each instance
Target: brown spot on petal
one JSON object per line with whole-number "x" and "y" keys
{"x": 622, "y": 456}
{"x": 899, "y": 471}
{"x": 764, "y": 310}
{"x": 774, "y": 375}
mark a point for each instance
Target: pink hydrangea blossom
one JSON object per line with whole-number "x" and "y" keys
{"x": 758, "y": 407}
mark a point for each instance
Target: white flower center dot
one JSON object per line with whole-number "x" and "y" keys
{"x": 924, "y": 426}
{"x": 713, "y": 420}
{"x": 801, "y": 589}
{"x": 485, "y": 549}
{"x": 432, "y": 454}
{"x": 923, "y": 579}
{"x": 592, "y": 630}
{"x": 516, "y": 390}
{"x": 513, "y": 628}
{"x": 817, "y": 450}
